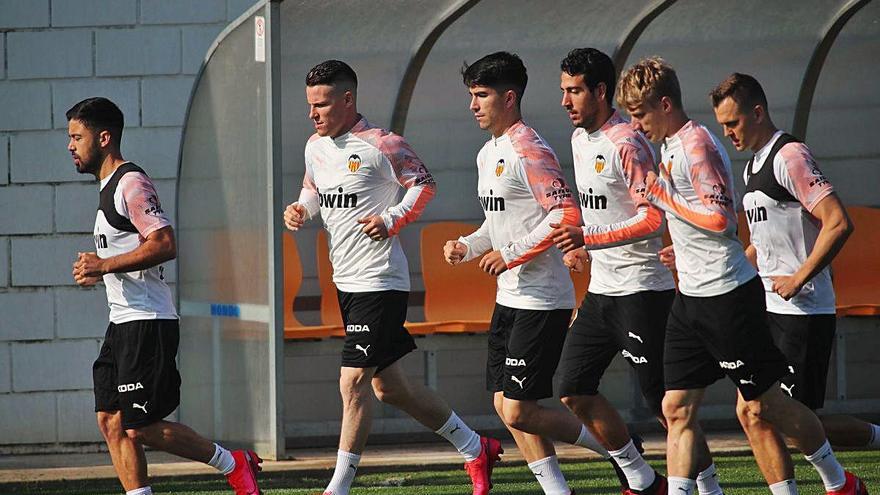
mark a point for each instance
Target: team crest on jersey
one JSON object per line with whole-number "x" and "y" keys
{"x": 499, "y": 167}
{"x": 600, "y": 164}
{"x": 354, "y": 163}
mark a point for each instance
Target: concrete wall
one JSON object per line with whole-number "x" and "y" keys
{"x": 142, "y": 54}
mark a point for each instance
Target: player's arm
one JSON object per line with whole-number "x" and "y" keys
{"x": 306, "y": 207}
{"x": 817, "y": 196}
{"x": 544, "y": 178}
{"x": 141, "y": 204}
{"x": 752, "y": 255}
{"x": 474, "y": 245}
{"x": 648, "y": 221}
{"x": 412, "y": 174}
{"x": 714, "y": 213}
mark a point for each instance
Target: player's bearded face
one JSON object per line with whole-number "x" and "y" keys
{"x": 581, "y": 104}
{"x": 84, "y": 147}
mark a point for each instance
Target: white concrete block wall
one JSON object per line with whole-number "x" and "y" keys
{"x": 143, "y": 55}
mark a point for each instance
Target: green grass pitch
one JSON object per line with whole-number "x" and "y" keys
{"x": 738, "y": 473}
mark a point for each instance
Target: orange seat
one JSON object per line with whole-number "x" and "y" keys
{"x": 458, "y": 298}
{"x": 293, "y": 329}
{"x": 856, "y": 268}
{"x": 330, "y": 313}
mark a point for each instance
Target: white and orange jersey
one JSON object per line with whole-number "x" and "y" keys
{"x": 128, "y": 212}
{"x": 695, "y": 189}
{"x": 522, "y": 191}
{"x": 778, "y": 201}
{"x": 359, "y": 174}
{"x": 621, "y": 229}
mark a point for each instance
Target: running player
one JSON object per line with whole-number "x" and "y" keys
{"x": 717, "y": 325}
{"x": 797, "y": 225}
{"x": 354, "y": 172}
{"x": 522, "y": 191}
{"x": 630, "y": 290}
{"x": 135, "y": 375}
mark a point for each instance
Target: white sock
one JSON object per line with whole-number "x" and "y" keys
{"x": 140, "y": 491}
{"x": 639, "y": 475}
{"x": 875, "y": 437}
{"x": 707, "y": 482}
{"x": 462, "y": 437}
{"x": 346, "y": 468}
{"x": 681, "y": 486}
{"x": 222, "y": 460}
{"x": 785, "y": 487}
{"x": 828, "y": 468}
{"x": 549, "y": 476}
{"x": 588, "y": 441}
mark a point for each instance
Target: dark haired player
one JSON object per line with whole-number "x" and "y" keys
{"x": 354, "y": 172}
{"x": 136, "y": 379}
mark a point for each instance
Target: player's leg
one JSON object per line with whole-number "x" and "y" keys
{"x": 688, "y": 368}
{"x": 127, "y": 456}
{"x": 758, "y": 366}
{"x": 533, "y": 352}
{"x": 680, "y": 408}
{"x": 538, "y": 452}
{"x": 769, "y": 449}
{"x": 589, "y": 348}
{"x": 391, "y": 386}
{"x": 806, "y": 341}
{"x": 369, "y": 343}
{"x": 150, "y": 391}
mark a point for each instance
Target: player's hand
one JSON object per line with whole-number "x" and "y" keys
{"x": 294, "y": 216}
{"x": 567, "y": 237}
{"x": 576, "y": 259}
{"x": 454, "y": 252}
{"x": 374, "y": 227}
{"x": 88, "y": 269}
{"x": 667, "y": 257}
{"x": 493, "y": 263}
{"x": 787, "y": 286}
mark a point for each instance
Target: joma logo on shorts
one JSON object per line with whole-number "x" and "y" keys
{"x": 129, "y": 387}
{"x": 514, "y": 362}
{"x": 731, "y": 365}
{"x": 357, "y": 328}
{"x": 635, "y": 359}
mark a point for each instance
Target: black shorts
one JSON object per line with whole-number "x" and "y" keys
{"x": 806, "y": 342}
{"x": 374, "y": 333}
{"x": 524, "y": 349}
{"x": 710, "y": 337}
{"x": 635, "y": 325}
{"x": 136, "y": 372}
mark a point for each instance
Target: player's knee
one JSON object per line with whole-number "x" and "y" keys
{"x": 517, "y": 415}
{"x": 388, "y": 395}
{"x": 110, "y": 425}
{"x": 677, "y": 411}
{"x": 136, "y": 435}
{"x": 578, "y": 404}
{"x": 498, "y": 403}
{"x": 353, "y": 384}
